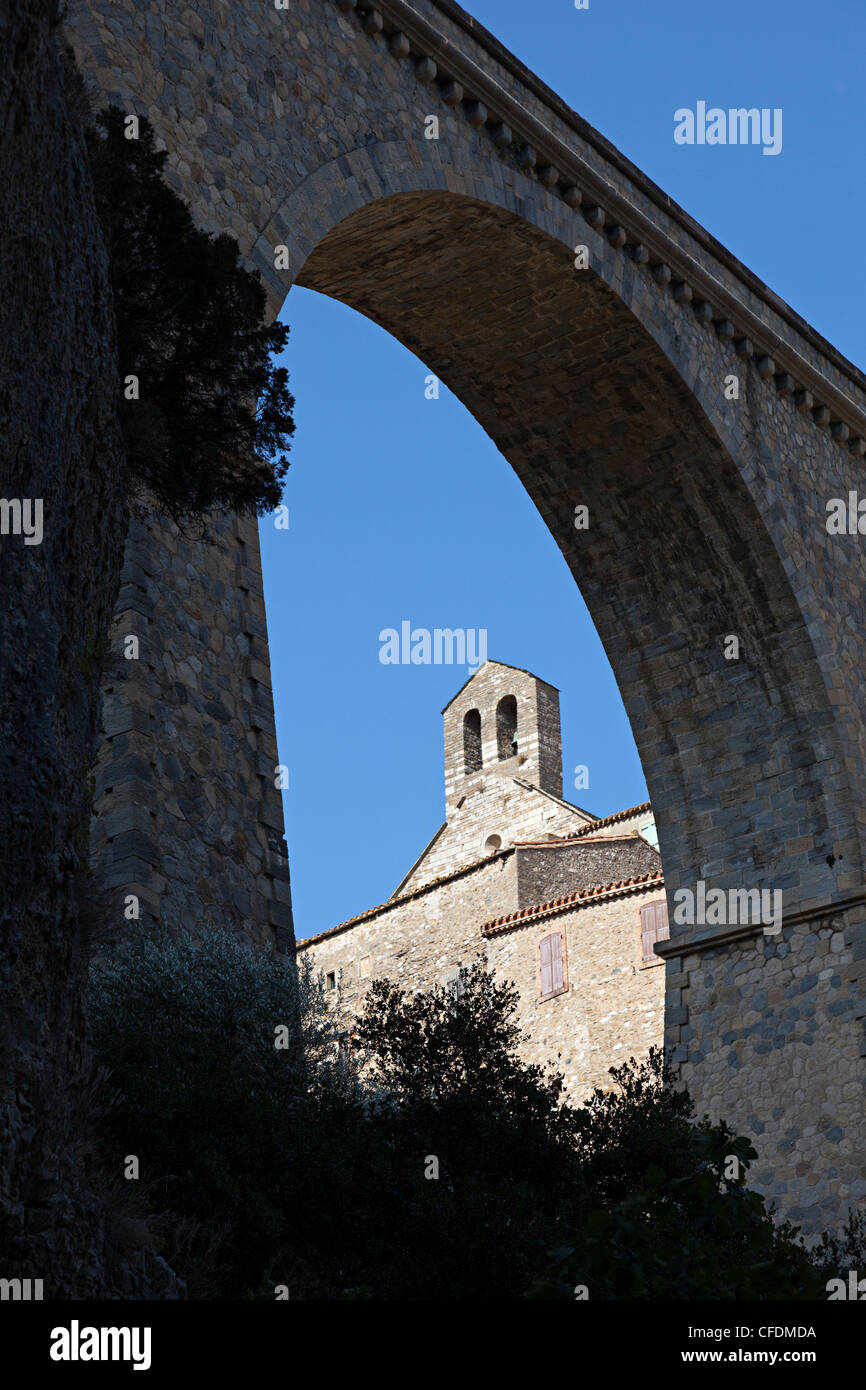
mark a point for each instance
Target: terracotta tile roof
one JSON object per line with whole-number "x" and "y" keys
{"x": 565, "y": 840}
{"x": 468, "y": 869}
{"x": 608, "y": 820}
{"x": 585, "y": 898}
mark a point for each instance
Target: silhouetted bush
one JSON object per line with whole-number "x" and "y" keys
{"x": 452, "y": 1170}
{"x": 213, "y": 417}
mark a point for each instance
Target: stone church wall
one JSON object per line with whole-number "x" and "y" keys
{"x": 613, "y": 1008}
{"x": 417, "y": 941}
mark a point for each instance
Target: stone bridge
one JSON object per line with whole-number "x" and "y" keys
{"x": 304, "y": 131}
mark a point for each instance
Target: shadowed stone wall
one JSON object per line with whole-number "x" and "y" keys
{"x": 304, "y": 129}
{"x": 189, "y": 816}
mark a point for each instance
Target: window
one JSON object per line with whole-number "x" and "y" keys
{"x": 493, "y": 843}
{"x": 506, "y": 727}
{"x": 365, "y": 967}
{"x": 331, "y": 980}
{"x": 551, "y": 960}
{"x": 653, "y": 927}
{"x": 471, "y": 741}
{"x": 650, "y": 833}
{"x": 455, "y": 983}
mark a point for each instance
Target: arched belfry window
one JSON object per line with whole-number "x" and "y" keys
{"x": 506, "y": 727}
{"x": 471, "y": 741}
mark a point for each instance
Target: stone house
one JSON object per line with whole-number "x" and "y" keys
{"x": 566, "y": 905}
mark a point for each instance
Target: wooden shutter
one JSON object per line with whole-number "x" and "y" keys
{"x": 546, "y": 973}
{"x": 653, "y": 927}
{"x": 556, "y": 975}
{"x": 552, "y": 964}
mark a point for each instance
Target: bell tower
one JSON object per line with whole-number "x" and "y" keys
{"x": 504, "y": 722}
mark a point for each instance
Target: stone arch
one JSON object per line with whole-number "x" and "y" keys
{"x": 302, "y": 131}
{"x": 598, "y": 399}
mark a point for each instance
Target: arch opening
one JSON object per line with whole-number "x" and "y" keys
{"x": 506, "y": 728}
{"x": 472, "y": 758}
{"x": 591, "y": 412}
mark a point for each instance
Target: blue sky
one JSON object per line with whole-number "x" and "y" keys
{"x": 401, "y": 508}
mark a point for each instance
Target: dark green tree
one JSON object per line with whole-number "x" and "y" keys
{"x": 667, "y": 1213}
{"x": 448, "y": 1170}
{"x": 209, "y": 422}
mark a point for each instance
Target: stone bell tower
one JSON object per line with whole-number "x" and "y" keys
{"x": 504, "y": 722}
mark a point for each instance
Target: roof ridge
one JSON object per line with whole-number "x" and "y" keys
{"x": 406, "y": 897}
{"x": 611, "y": 819}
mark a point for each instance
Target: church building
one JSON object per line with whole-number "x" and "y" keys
{"x": 566, "y": 905}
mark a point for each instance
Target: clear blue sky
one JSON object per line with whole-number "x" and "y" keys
{"x": 383, "y": 482}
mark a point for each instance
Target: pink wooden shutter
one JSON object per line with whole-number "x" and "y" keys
{"x": 556, "y": 976}
{"x": 663, "y": 930}
{"x": 545, "y": 967}
{"x": 654, "y": 927}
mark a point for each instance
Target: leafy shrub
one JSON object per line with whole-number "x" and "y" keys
{"x": 282, "y": 1168}
{"x": 185, "y": 1029}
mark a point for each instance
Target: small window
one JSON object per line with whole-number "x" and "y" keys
{"x": 506, "y": 727}
{"x": 493, "y": 843}
{"x": 331, "y": 980}
{"x": 471, "y": 741}
{"x": 551, "y": 961}
{"x": 455, "y": 983}
{"x": 653, "y": 927}
{"x": 365, "y": 967}
{"x": 650, "y": 833}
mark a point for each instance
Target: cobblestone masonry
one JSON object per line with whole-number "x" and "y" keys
{"x": 305, "y": 128}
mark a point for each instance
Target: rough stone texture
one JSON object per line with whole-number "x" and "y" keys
{"x": 612, "y": 1007}
{"x": 59, "y": 442}
{"x": 538, "y": 755}
{"x": 776, "y": 1019}
{"x": 189, "y": 816}
{"x": 507, "y": 799}
{"x": 545, "y": 873}
{"x": 603, "y": 388}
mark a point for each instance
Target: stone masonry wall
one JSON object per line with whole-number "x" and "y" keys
{"x": 188, "y": 815}
{"x": 417, "y": 941}
{"x": 614, "y": 1006}
{"x": 543, "y": 874}
{"x": 509, "y": 808}
{"x": 768, "y": 1034}
{"x": 539, "y": 738}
